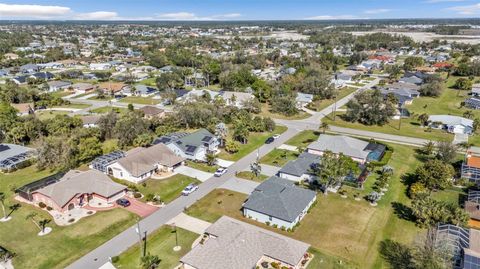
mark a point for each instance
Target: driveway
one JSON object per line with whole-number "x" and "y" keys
{"x": 194, "y": 173}
{"x": 191, "y": 224}
{"x": 140, "y": 208}
{"x": 240, "y": 185}
{"x": 460, "y": 138}
{"x": 224, "y": 163}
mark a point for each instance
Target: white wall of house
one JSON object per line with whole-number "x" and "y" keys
{"x": 304, "y": 177}
{"x": 120, "y": 172}
{"x": 320, "y": 153}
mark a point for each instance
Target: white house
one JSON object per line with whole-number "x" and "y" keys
{"x": 453, "y": 124}
{"x": 100, "y": 66}
{"x": 278, "y": 202}
{"x": 236, "y": 99}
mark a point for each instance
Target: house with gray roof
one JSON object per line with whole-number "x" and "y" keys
{"x": 76, "y": 189}
{"x": 193, "y": 146}
{"x": 300, "y": 169}
{"x": 277, "y": 201}
{"x": 452, "y": 124}
{"x": 359, "y": 150}
{"x": 14, "y": 156}
{"x": 233, "y": 244}
{"x": 236, "y": 99}
{"x": 303, "y": 99}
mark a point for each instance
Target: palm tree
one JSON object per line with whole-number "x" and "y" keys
{"x": 428, "y": 148}
{"x": 43, "y": 223}
{"x": 324, "y": 126}
{"x": 211, "y": 159}
{"x": 150, "y": 261}
{"x": 468, "y": 114}
{"x": 2, "y": 201}
{"x": 13, "y": 208}
{"x": 423, "y": 118}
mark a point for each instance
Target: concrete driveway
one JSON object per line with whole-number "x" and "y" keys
{"x": 195, "y": 173}
{"x": 191, "y": 224}
{"x": 240, "y": 185}
{"x": 140, "y": 208}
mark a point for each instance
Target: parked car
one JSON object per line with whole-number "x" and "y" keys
{"x": 220, "y": 172}
{"x": 269, "y": 140}
{"x": 189, "y": 189}
{"x": 123, "y": 202}
{"x": 276, "y": 136}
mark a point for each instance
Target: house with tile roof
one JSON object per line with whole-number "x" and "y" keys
{"x": 277, "y": 201}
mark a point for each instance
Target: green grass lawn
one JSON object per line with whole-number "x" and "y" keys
{"x": 168, "y": 189}
{"x": 322, "y": 104}
{"x": 160, "y": 243}
{"x": 255, "y": 140}
{"x": 44, "y": 115}
{"x": 266, "y": 112}
{"x": 72, "y": 105}
{"x": 61, "y": 94}
{"x": 140, "y": 100}
{"x": 149, "y": 82}
{"x": 450, "y": 195}
{"x": 279, "y": 157}
{"x": 303, "y": 139}
{"x": 344, "y": 228}
{"x": 203, "y": 166}
{"x": 409, "y": 127}
{"x": 82, "y": 95}
{"x": 65, "y": 244}
{"x": 106, "y": 109}
{"x": 251, "y": 176}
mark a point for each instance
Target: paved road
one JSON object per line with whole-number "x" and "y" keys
{"x": 404, "y": 140}
{"x": 127, "y": 238}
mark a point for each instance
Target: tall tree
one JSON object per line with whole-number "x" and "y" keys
{"x": 332, "y": 169}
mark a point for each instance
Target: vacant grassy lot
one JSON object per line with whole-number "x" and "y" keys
{"x": 203, "y": 166}
{"x": 106, "y": 109}
{"x": 48, "y": 114}
{"x": 255, "y": 140}
{"x": 344, "y": 228}
{"x": 266, "y": 112}
{"x": 74, "y": 105}
{"x": 279, "y": 157}
{"x": 321, "y": 104}
{"x": 160, "y": 243}
{"x": 251, "y": 176}
{"x": 303, "y": 139}
{"x": 65, "y": 244}
{"x": 168, "y": 189}
{"x": 140, "y": 100}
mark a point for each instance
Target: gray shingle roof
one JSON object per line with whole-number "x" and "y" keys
{"x": 451, "y": 120}
{"x": 349, "y": 146}
{"x": 300, "y": 166}
{"x": 279, "y": 198}
{"x": 238, "y": 245}
{"x": 188, "y": 143}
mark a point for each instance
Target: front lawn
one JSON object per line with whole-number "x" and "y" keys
{"x": 279, "y": 157}
{"x": 266, "y": 112}
{"x": 255, "y": 140}
{"x": 344, "y": 228}
{"x": 322, "y": 104}
{"x": 140, "y": 100}
{"x": 202, "y": 166}
{"x": 160, "y": 243}
{"x": 168, "y": 189}
{"x": 74, "y": 106}
{"x": 65, "y": 244}
{"x": 251, "y": 176}
{"x": 106, "y": 109}
{"x": 303, "y": 139}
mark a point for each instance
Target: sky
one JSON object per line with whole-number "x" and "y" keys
{"x": 236, "y": 9}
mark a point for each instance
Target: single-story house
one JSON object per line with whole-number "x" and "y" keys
{"x": 140, "y": 90}
{"x": 29, "y": 68}
{"x": 462, "y": 245}
{"x": 412, "y": 80}
{"x": 471, "y": 165}
{"x": 359, "y": 150}
{"x": 453, "y": 124}
{"x": 473, "y": 103}
{"x": 476, "y": 89}
{"x": 56, "y": 85}
{"x": 303, "y": 99}
{"x": 13, "y": 156}
{"x": 472, "y": 205}
{"x": 151, "y": 112}
{"x": 194, "y": 94}
{"x": 90, "y": 121}
{"x": 300, "y": 169}
{"x": 76, "y": 189}
{"x": 192, "y": 146}
{"x": 139, "y": 164}
{"x": 100, "y": 66}
{"x": 112, "y": 87}
{"x": 233, "y": 244}
{"x": 82, "y": 87}
{"x": 404, "y": 96}
{"x": 43, "y": 76}
{"x": 24, "y": 108}
{"x": 236, "y": 99}
{"x": 277, "y": 201}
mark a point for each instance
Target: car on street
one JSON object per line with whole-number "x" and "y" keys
{"x": 123, "y": 202}
{"x": 220, "y": 172}
{"x": 189, "y": 189}
{"x": 276, "y": 136}
{"x": 269, "y": 140}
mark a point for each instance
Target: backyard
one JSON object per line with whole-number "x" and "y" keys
{"x": 65, "y": 244}
{"x": 160, "y": 243}
{"x": 255, "y": 140}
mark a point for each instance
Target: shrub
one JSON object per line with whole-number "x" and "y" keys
{"x": 274, "y": 225}
{"x": 49, "y": 208}
{"x": 144, "y": 184}
{"x": 137, "y": 195}
{"x": 115, "y": 259}
{"x": 275, "y": 265}
{"x": 268, "y": 223}
{"x": 90, "y": 212}
{"x": 149, "y": 197}
{"x": 71, "y": 220}
{"x": 42, "y": 205}
{"x": 416, "y": 189}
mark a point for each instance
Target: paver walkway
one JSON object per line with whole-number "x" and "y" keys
{"x": 189, "y": 223}
{"x": 194, "y": 173}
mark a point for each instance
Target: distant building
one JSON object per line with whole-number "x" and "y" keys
{"x": 452, "y": 124}
{"x": 303, "y": 99}
{"x": 14, "y": 156}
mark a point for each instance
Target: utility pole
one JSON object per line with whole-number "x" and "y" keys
{"x": 145, "y": 244}
{"x": 137, "y": 230}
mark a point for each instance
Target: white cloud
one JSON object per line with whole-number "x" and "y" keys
{"x": 466, "y": 10}
{"x": 377, "y": 11}
{"x": 189, "y": 16}
{"x": 336, "y": 17}
{"x": 32, "y": 11}
{"x": 97, "y": 15}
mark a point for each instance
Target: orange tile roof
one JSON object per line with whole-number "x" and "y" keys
{"x": 473, "y": 161}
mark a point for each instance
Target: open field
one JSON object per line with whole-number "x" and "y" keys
{"x": 303, "y": 139}
{"x": 65, "y": 244}
{"x": 160, "y": 243}
{"x": 255, "y": 140}
{"x": 48, "y": 114}
{"x": 279, "y": 157}
{"x": 106, "y": 109}
{"x": 322, "y": 104}
{"x": 140, "y": 100}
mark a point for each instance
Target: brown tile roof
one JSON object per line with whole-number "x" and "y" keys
{"x": 112, "y": 86}
{"x": 151, "y": 110}
{"x": 23, "y": 107}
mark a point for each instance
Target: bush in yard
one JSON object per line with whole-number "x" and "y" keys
{"x": 49, "y": 208}
{"x": 42, "y": 205}
{"x": 115, "y": 259}
{"x": 416, "y": 189}
{"x": 232, "y": 146}
{"x": 149, "y": 197}
{"x": 275, "y": 265}
{"x": 137, "y": 195}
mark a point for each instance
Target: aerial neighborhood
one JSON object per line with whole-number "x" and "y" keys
{"x": 243, "y": 144}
